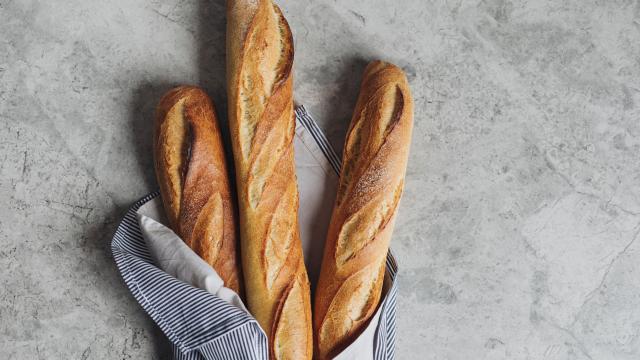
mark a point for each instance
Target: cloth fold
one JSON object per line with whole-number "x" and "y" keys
{"x": 173, "y": 256}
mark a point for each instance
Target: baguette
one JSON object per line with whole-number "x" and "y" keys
{"x": 262, "y": 123}
{"x": 192, "y": 174}
{"x": 371, "y": 182}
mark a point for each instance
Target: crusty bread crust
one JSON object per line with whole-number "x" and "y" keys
{"x": 194, "y": 182}
{"x": 262, "y": 123}
{"x": 371, "y": 181}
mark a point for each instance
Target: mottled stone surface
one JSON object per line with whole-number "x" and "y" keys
{"x": 517, "y": 231}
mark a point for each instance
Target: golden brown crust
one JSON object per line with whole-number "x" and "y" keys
{"x": 261, "y": 118}
{"x": 374, "y": 163}
{"x": 194, "y": 182}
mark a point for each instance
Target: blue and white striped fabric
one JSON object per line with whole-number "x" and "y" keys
{"x": 199, "y": 324}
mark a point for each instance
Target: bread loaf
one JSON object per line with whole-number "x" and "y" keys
{"x": 371, "y": 181}
{"x": 194, "y": 182}
{"x": 262, "y": 123}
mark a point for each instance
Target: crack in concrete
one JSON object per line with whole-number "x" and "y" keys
{"x": 573, "y": 336}
{"x": 360, "y": 17}
{"x": 73, "y": 207}
{"x": 166, "y": 16}
{"x": 593, "y": 292}
{"x": 24, "y": 165}
{"x": 573, "y": 187}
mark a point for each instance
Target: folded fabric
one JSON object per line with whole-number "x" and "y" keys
{"x": 173, "y": 256}
{"x": 188, "y": 300}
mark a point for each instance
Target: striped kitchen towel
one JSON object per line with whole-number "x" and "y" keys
{"x": 200, "y": 325}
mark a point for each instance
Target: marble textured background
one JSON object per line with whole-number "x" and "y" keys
{"x": 517, "y": 231}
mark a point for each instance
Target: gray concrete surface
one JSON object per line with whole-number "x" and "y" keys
{"x": 517, "y": 231}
